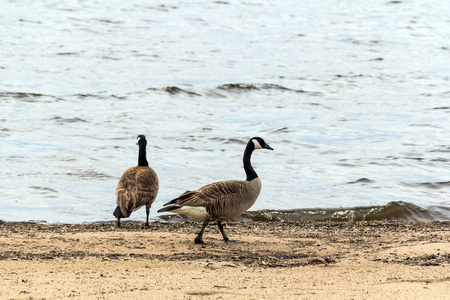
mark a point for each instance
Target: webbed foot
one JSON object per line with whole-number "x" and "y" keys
{"x": 200, "y": 241}
{"x": 233, "y": 241}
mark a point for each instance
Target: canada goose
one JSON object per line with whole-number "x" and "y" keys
{"x": 223, "y": 200}
{"x": 138, "y": 186}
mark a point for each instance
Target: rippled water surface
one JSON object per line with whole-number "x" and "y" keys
{"x": 353, "y": 95}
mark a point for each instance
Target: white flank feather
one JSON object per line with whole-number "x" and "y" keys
{"x": 196, "y": 213}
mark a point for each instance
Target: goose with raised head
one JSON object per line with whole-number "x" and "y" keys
{"x": 137, "y": 187}
{"x": 223, "y": 200}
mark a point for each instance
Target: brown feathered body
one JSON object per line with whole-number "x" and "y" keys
{"x": 220, "y": 201}
{"x": 137, "y": 187}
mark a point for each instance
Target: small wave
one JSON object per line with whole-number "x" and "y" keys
{"x": 222, "y": 91}
{"x": 29, "y": 97}
{"x": 425, "y": 125}
{"x": 21, "y": 95}
{"x": 67, "y": 120}
{"x": 90, "y": 175}
{"x": 188, "y": 148}
{"x": 362, "y": 181}
{"x": 278, "y": 130}
{"x": 351, "y": 75}
{"x": 393, "y": 211}
{"x": 443, "y": 149}
{"x": 82, "y": 96}
{"x": 67, "y": 53}
{"x": 430, "y": 185}
{"x": 229, "y": 140}
{"x": 43, "y": 189}
{"x": 4, "y": 132}
{"x": 163, "y": 7}
{"x": 214, "y": 94}
{"x": 237, "y": 87}
{"x": 174, "y": 90}
{"x": 108, "y": 21}
{"x": 270, "y": 86}
{"x": 101, "y": 96}
{"x": 246, "y": 87}
{"x": 234, "y": 141}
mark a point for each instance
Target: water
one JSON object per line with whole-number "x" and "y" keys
{"x": 353, "y": 96}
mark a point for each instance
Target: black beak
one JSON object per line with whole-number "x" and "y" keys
{"x": 267, "y": 147}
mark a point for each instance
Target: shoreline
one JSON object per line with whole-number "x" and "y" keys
{"x": 282, "y": 260}
{"x": 391, "y": 211}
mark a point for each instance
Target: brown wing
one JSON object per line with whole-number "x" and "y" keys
{"x": 217, "y": 191}
{"x": 138, "y": 186}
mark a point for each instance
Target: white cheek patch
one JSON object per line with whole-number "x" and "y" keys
{"x": 257, "y": 145}
{"x": 138, "y": 139}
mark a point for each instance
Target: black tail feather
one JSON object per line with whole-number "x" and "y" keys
{"x": 169, "y": 208}
{"x": 117, "y": 213}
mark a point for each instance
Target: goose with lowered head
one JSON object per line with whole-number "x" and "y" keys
{"x": 137, "y": 187}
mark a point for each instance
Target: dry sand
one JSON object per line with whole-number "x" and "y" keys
{"x": 301, "y": 260}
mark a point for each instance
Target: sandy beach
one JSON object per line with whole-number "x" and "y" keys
{"x": 298, "y": 260}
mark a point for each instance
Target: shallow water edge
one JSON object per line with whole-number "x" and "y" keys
{"x": 393, "y": 211}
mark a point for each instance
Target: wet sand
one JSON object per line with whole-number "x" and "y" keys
{"x": 298, "y": 260}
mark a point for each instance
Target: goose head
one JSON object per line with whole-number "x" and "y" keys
{"x": 259, "y": 143}
{"x": 141, "y": 141}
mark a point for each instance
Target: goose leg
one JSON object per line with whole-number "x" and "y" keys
{"x": 118, "y": 222}
{"x": 225, "y": 238}
{"x": 199, "y": 238}
{"x": 147, "y": 210}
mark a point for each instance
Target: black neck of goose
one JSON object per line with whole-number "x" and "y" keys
{"x": 142, "y": 160}
{"x": 251, "y": 174}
